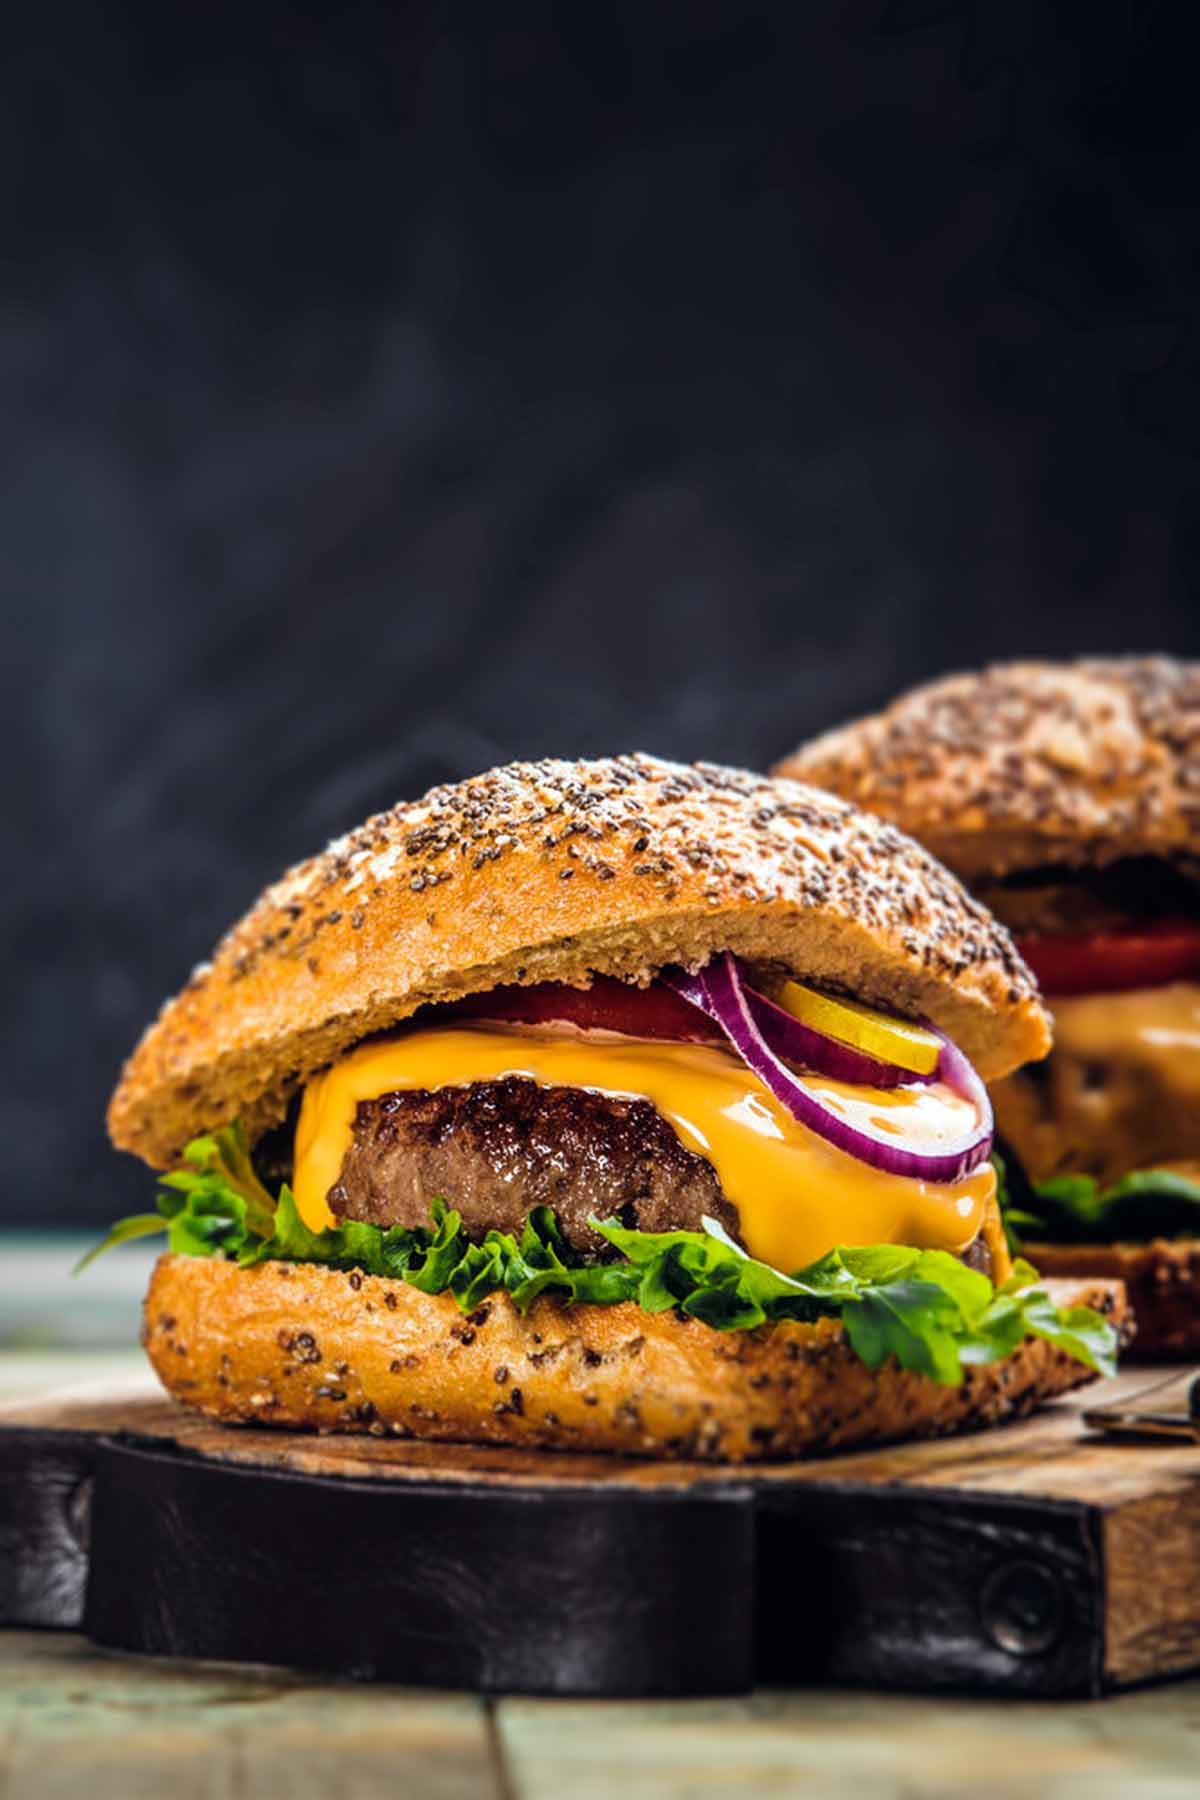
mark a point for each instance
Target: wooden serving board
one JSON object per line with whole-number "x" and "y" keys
{"x": 1030, "y": 1559}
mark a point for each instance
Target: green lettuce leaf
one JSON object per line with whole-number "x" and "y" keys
{"x": 1075, "y": 1209}
{"x": 138, "y": 1225}
{"x": 917, "y": 1322}
{"x": 923, "y": 1307}
{"x": 1077, "y": 1330}
{"x": 218, "y": 1172}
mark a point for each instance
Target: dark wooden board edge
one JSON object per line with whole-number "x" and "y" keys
{"x": 572, "y": 1589}
{"x": 929, "y": 1589}
{"x": 45, "y": 1519}
{"x": 512, "y": 1591}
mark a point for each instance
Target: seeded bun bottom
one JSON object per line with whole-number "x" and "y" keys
{"x": 556, "y": 871}
{"x": 1028, "y": 765}
{"x": 298, "y": 1345}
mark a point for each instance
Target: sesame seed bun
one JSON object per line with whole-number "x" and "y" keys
{"x": 554, "y": 871}
{"x": 298, "y": 1345}
{"x": 1030, "y": 764}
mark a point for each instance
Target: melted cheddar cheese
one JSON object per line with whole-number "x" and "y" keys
{"x": 797, "y": 1196}
{"x": 1120, "y": 1090}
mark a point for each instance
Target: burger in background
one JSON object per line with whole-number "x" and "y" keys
{"x": 1068, "y": 798}
{"x": 616, "y": 1106}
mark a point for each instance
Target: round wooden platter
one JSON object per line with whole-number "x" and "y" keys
{"x": 1029, "y": 1559}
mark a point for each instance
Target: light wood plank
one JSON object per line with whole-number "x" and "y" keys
{"x": 74, "y": 1721}
{"x": 1139, "y": 1746}
{"x": 1152, "y": 1578}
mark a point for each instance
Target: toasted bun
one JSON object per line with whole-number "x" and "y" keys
{"x": 296, "y": 1344}
{"x": 1030, "y": 764}
{"x": 554, "y": 871}
{"x": 1162, "y": 1282}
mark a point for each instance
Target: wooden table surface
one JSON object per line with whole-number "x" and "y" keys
{"x": 75, "y": 1721}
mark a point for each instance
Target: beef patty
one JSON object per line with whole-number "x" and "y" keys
{"x": 496, "y": 1149}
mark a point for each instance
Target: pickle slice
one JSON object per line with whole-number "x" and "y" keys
{"x": 874, "y": 1033}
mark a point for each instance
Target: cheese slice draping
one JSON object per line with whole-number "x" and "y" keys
{"x": 796, "y": 1195}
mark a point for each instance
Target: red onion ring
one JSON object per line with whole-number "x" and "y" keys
{"x": 796, "y": 1042}
{"x": 727, "y": 1000}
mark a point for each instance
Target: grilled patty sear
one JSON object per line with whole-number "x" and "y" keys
{"x": 496, "y": 1149}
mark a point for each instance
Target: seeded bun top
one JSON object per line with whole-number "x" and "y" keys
{"x": 1030, "y": 765}
{"x": 554, "y": 871}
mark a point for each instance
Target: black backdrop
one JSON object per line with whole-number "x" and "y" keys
{"x": 392, "y": 390}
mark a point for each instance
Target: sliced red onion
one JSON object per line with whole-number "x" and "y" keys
{"x": 796, "y": 1042}
{"x": 727, "y": 1000}
{"x": 959, "y": 1073}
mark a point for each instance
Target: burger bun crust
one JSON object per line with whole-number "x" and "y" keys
{"x": 556, "y": 871}
{"x": 1027, "y": 765}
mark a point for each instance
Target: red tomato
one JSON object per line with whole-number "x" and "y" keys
{"x": 608, "y": 1005}
{"x": 1106, "y": 961}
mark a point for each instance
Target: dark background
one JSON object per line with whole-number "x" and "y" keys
{"x": 388, "y": 391}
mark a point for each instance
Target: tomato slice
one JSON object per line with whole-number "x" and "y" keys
{"x": 608, "y": 1005}
{"x": 1105, "y": 962}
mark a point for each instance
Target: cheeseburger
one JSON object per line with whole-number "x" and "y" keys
{"x": 1068, "y": 798}
{"x": 613, "y": 1105}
